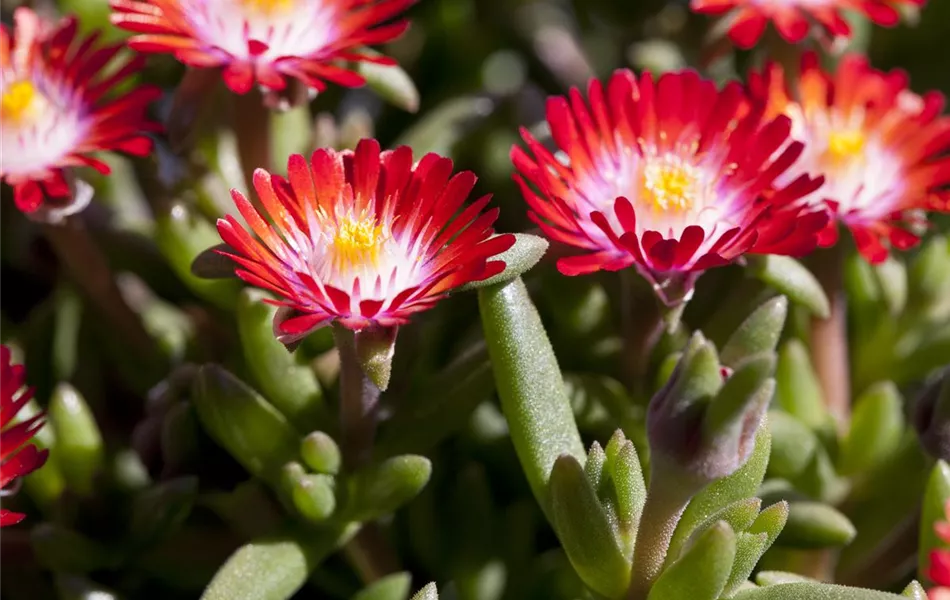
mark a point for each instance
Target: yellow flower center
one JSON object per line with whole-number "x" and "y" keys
{"x": 20, "y": 101}
{"x": 357, "y": 243}
{"x": 669, "y": 185}
{"x": 268, "y": 7}
{"x": 845, "y": 145}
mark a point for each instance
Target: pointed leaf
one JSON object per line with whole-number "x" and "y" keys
{"x": 429, "y": 592}
{"x": 80, "y": 450}
{"x": 391, "y": 82}
{"x": 749, "y": 549}
{"x": 914, "y": 590}
{"x": 391, "y": 587}
{"x": 585, "y": 531}
{"x": 791, "y": 278}
{"x": 813, "y": 591}
{"x": 793, "y": 445}
{"x": 877, "y": 424}
{"x": 815, "y": 525}
{"x": 797, "y": 389}
{"x": 767, "y": 578}
{"x": 380, "y": 489}
{"x": 759, "y": 333}
{"x": 701, "y": 573}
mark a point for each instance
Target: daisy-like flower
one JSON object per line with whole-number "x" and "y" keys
{"x": 793, "y": 18}
{"x": 57, "y": 108}
{"x": 939, "y": 568}
{"x": 17, "y": 456}
{"x": 265, "y": 41}
{"x": 672, "y": 176}
{"x": 882, "y": 148}
{"x": 363, "y": 238}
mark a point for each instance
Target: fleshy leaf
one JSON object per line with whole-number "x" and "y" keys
{"x": 877, "y": 424}
{"x": 791, "y": 278}
{"x": 391, "y": 587}
{"x": 391, "y": 82}
{"x": 585, "y": 531}
{"x": 321, "y": 453}
{"x": 380, "y": 489}
{"x": 760, "y": 332}
{"x": 815, "y": 525}
{"x": 793, "y": 445}
{"x": 429, "y": 592}
{"x": 80, "y": 451}
{"x": 914, "y": 590}
{"x": 813, "y": 591}
{"x": 701, "y": 573}
{"x": 519, "y": 259}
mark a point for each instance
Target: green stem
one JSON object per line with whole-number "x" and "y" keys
{"x": 665, "y": 503}
{"x": 358, "y": 399}
{"x": 829, "y": 338}
{"x": 370, "y": 553}
{"x": 252, "y": 128}
{"x": 642, "y": 325}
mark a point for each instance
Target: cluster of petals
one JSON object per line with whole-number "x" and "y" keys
{"x": 794, "y": 18}
{"x": 882, "y": 149}
{"x": 265, "y": 41}
{"x": 671, "y": 176}
{"x": 58, "y": 106}
{"x": 18, "y": 457}
{"x": 363, "y": 238}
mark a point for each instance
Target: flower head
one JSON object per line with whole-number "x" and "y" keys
{"x": 363, "y": 238}
{"x": 57, "y": 107}
{"x": 265, "y": 41}
{"x": 672, "y": 176}
{"x": 17, "y": 456}
{"x": 881, "y": 148}
{"x": 939, "y": 568}
{"x": 793, "y": 18}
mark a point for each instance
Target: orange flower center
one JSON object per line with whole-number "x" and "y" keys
{"x": 357, "y": 242}
{"x": 670, "y": 185}
{"x": 20, "y": 102}
{"x": 845, "y": 145}
{"x": 268, "y": 7}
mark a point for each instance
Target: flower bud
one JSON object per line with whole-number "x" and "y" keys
{"x": 932, "y": 416}
{"x": 703, "y": 426}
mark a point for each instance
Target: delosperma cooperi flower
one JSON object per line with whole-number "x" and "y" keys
{"x": 672, "y": 176}
{"x": 363, "y": 238}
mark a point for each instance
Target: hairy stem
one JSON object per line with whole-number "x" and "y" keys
{"x": 252, "y": 127}
{"x": 665, "y": 503}
{"x": 370, "y": 553}
{"x": 358, "y": 399}
{"x": 642, "y": 326}
{"x": 829, "y": 338}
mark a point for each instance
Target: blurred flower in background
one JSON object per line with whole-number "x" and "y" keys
{"x": 939, "y": 568}
{"x": 17, "y": 456}
{"x": 363, "y": 237}
{"x": 265, "y": 41}
{"x": 880, "y": 147}
{"x": 794, "y": 18}
{"x": 672, "y": 176}
{"x": 58, "y": 107}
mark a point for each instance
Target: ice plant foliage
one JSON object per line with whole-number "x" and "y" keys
{"x": 939, "y": 568}
{"x": 363, "y": 237}
{"x": 17, "y": 456}
{"x": 57, "y": 107}
{"x": 881, "y": 148}
{"x": 265, "y": 41}
{"x": 673, "y": 176}
{"x": 794, "y": 18}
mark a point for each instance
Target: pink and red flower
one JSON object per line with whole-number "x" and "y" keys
{"x": 671, "y": 176}
{"x": 265, "y": 41}
{"x": 363, "y": 238}
{"x": 17, "y": 456}
{"x": 58, "y": 107}
{"x": 794, "y": 18}
{"x": 938, "y": 570}
{"x": 882, "y": 148}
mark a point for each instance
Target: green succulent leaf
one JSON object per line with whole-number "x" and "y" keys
{"x": 816, "y": 525}
{"x": 891, "y": 276}
{"x": 813, "y": 591}
{"x": 936, "y": 496}
{"x": 161, "y": 510}
{"x": 793, "y": 445}
{"x": 759, "y": 333}
{"x": 740, "y": 485}
{"x": 292, "y": 388}
{"x": 64, "y": 550}
{"x": 767, "y": 578}
{"x": 391, "y": 82}
{"x": 797, "y": 390}
{"x": 444, "y": 125}
{"x": 529, "y": 384}
{"x": 429, "y": 592}
{"x": 749, "y": 549}
{"x": 380, "y": 489}
{"x": 585, "y": 532}
{"x": 80, "y": 451}
{"x": 915, "y": 590}
{"x": 791, "y": 278}
{"x": 877, "y": 425}
{"x": 392, "y": 587}
{"x": 321, "y": 453}
{"x": 701, "y": 573}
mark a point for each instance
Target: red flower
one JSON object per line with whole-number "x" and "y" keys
{"x": 55, "y": 87}
{"x": 672, "y": 176}
{"x": 939, "y": 568}
{"x": 881, "y": 148}
{"x": 363, "y": 238}
{"x": 265, "y": 40}
{"x": 793, "y": 18}
{"x": 17, "y": 456}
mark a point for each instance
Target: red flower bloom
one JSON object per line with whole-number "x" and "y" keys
{"x": 939, "y": 568}
{"x": 793, "y": 18}
{"x": 56, "y": 108}
{"x": 264, "y": 40}
{"x": 363, "y": 238}
{"x": 17, "y": 456}
{"x": 881, "y": 148}
{"x": 672, "y": 176}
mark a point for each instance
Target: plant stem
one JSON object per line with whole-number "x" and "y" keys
{"x": 371, "y": 554}
{"x": 829, "y": 338}
{"x": 252, "y": 128}
{"x": 665, "y": 503}
{"x": 358, "y": 399}
{"x": 642, "y": 326}
{"x": 88, "y": 267}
